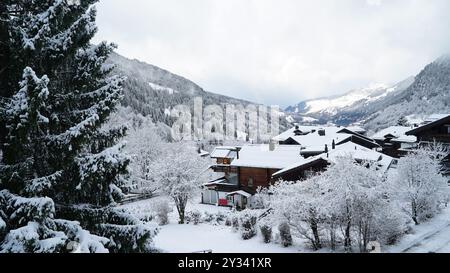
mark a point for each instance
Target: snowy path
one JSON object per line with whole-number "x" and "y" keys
{"x": 437, "y": 242}
{"x": 432, "y": 236}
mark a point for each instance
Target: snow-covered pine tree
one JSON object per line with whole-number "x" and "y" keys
{"x": 56, "y": 155}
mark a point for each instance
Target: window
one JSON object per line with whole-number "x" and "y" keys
{"x": 250, "y": 182}
{"x": 448, "y": 129}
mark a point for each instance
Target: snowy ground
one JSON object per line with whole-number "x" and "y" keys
{"x": 432, "y": 236}
{"x": 219, "y": 239}
{"x": 195, "y": 238}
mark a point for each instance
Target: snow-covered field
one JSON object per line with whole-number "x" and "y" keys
{"x": 190, "y": 238}
{"x": 219, "y": 239}
{"x": 431, "y": 236}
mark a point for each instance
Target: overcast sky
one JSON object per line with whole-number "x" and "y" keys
{"x": 280, "y": 51}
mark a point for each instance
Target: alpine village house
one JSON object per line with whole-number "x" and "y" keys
{"x": 307, "y": 150}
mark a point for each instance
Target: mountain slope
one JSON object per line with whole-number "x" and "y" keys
{"x": 379, "y": 106}
{"x": 350, "y": 107}
{"x": 430, "y": 93}
{"x": 151, "y": 91}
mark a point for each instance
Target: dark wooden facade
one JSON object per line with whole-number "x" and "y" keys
{"x": 438, "y": 131}
{"x": 302, "y": 172}
{"x": 361, "y": 140}
{"x": 250, "y": 179}
{"x": 391, "y": 148}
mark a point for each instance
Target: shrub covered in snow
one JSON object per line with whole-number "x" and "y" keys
{"x": 228, "y": 221}
{"x": 162, "y": 210}
{"x": 218, "y": 218}
{"x": 266, "y": 232}
{"x": 195, "y": 217}
{"x": 285, "y": 234}
{"x": 248, "y": 222}
{"x": 235, "y": 223}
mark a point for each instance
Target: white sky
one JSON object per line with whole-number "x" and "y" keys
{"x": 280, "y": 51}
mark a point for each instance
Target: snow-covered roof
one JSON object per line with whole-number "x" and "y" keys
{"x": 290, "y": 133}
{"x": 357, "y": 129}
{"x": 359, "y": 152}
{"x": 330, "y": 131}
{"x": 440, "y": 119}
{"x": 348, "y": 149}
{"x": 203, "y": 153}
{"x": 224, "y": 152}
{"x": 398, "y": 132}
{"x": 260, "y": 156}
{"x": 296, "y": 165}
{"x": 435, "y": 117}
{"x": 314, "y": 141}
{"x": 243, "y": 193}
{"x": 222, "y": 181}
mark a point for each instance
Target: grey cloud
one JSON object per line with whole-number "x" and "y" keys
{"x": 280, "y": 51}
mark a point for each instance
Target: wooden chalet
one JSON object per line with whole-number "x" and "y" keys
{"x": 216, "y": 192}
{"x": 394, "y": 141}
{"x": 317, "y": 140}
{"x": 436, "y": 130}
{"x": 258, "y": 164}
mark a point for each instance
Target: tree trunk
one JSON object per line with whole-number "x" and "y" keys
{"x": 181, "y": 217}
{"x": 414, "y": 212}
{"x": 317, "y": 244}
{"x": 181, "y": 208}
{"x": 347, "y": 239}
{"x": 332, "y": 238}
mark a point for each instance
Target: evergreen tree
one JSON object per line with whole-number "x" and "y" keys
{"x": 402, "y": 121}
{"x": 56, "y": 153}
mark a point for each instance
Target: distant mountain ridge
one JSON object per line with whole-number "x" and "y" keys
{"x": 429, "y": 94}
{"x": 349, "y": 107}
{"x": 380, "y": 106}
{"x": 152, "y": 91}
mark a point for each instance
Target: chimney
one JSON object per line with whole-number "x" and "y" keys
{"x": 272, "y": 146}
{"x": 333, "y": 145}
{"x": 297, "y": 131}
{"x": 326, "y": 148}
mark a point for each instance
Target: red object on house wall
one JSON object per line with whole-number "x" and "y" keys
{"x": 223, "y": 202}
